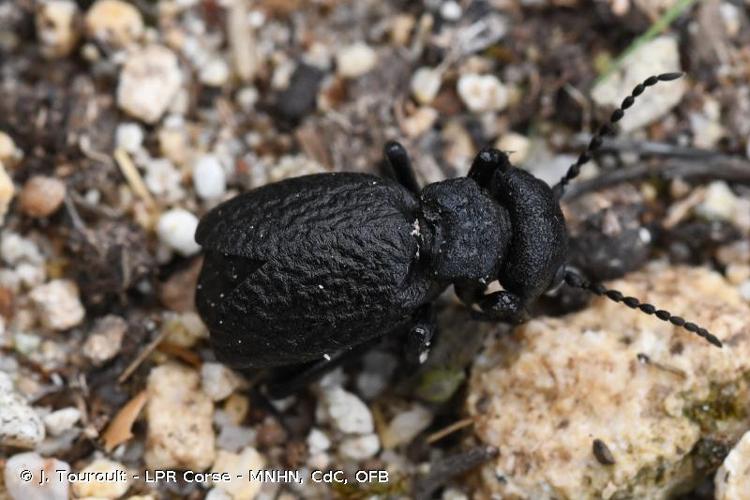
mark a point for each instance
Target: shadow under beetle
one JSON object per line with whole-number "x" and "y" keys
{"x": 301, "y": 271}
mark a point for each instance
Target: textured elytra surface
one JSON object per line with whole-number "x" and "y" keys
{"x": 308, "y": 266}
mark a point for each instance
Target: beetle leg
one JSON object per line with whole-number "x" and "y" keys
{"x": 421, "y": 335}
{"x": 398, "y": 159}
{"x": 486, "y": 163}
{"x": 501, "y": 306}
{"x": 290, "y": 380}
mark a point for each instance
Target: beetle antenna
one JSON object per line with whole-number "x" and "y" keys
{"x": 608, "y": 129}
{"x": 577, "y": 281}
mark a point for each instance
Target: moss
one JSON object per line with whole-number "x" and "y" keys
{"x": 722, "y": 404}
{"x": 398, "y": 488}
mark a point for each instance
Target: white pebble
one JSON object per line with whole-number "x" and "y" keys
{"x": 745, "y": 290}
{"x": 482, "y": 92}
{"x": 317, "y": 441}
{"x": 425, "y": 84}
{"x": 176, "y": 229}
{"x": 62, "y": 420}
{"x": 149, "y": 81}
{"x": 58, "y": 304}
{"x": 14, "y": 248}
{"x": 36, "y": 488}
{"x": 347, "y": 412}
{"x": 720, "y": 202}
{"x": 451, "y": 11}
{"x": 20, "y": 426}
{"x": 129, "y": 136}
{"x": 209, "y": 178}
{"x": 355, "y": 60}
{"x": 164, "y": 180}
{"x": 215, "y": 72}
{"x": 360, "y": 447}
{"x": 406, "y": 426}
{"x": 218, "y": 381}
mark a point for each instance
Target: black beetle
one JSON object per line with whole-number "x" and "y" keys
{"x": 305, "y": 269}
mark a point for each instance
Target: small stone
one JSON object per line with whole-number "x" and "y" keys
{"x": 176, "y": 229}
{"x": 58, "y": 304}
{"x": 355, "y": 60}
{"x": 240, "y": 486}
{"x": 41, "y": 196}
{"x": 317, "y": 441}
{"x": 105, "y": 339}
{"x": 733, "y": 477}
{"x": 56, "y": 27}
{"x": 720, "y": 202}
{"x": 35, "y": 488}
{"x": 379, "y": 367}
{"x": 218, "y": 381}
{"x": 214, "y": 73}
{"x": 184, "y": 329}
{"x": 129, "y": 136}
{"x": 706, "y": 124}
{"x": 451, "y": 11}
{"x": 406, "y": 426}
{"x": 62, "y": 420}
{"x": 360, "y": 447}
{"x": 114, "y": 22}
{"x": 482, "y": 93}
{"x": 7, "y": 190}
{"x": 14, "y": 249}
{"x": 516, "y": 146}
{"x": 425, "y": 84}
{"x": 20, "y": 426}
{"x": 420, "y": 121}
{"x": 660, "y": 55}
{"x": 164, "y": 180}
{"x": 744, "y": 289}
{"x": 186, "y": 442}
{"x": 209, "y": 178}
{"x": 10, "y": 155}
{"x": 149, "y": 81}
{"x": 348, "y": 413}
{"x": 115, "y": 483}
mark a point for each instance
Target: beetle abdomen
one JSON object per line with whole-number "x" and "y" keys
{"x": 316, "y": 264}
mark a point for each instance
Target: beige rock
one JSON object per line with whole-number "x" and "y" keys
{"x": 58, "y": 304}
{"x": 645, "y": 388}
{"x": 239, "y": 464}
{"x": 516, "y": 146}
{"x": 733, "y": 477}
{"x": 218, "y": 381}
{"x": 41, "y": 196}
{"x": 115, "y": 484}
{"x": 179, "y": 415}
{"x": 7, "y": 190}
{"x": 10, "y": 155}
{"x": 660, "y": 55}
{"x": 35, "y": 487}
{"x": 355, "y": 60}
{"x": 105, "y": 340}
{"x": 114, "y": 22}
{"x": 149, "y": 81}
{"x": 482, "y": 92}
{"x": 57, "y": 25}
